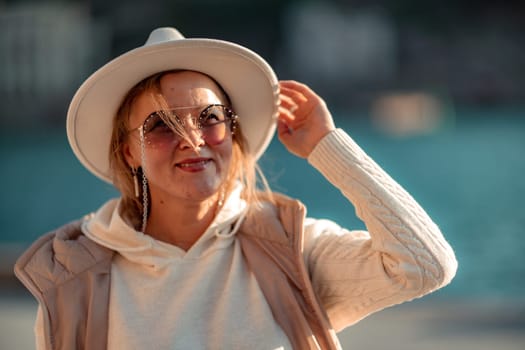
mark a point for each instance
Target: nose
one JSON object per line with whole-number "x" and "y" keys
{"x": 193, "y": 135}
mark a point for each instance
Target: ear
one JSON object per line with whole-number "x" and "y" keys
{"x": 131, "y": 155}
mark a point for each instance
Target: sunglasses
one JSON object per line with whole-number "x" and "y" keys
{"x": 166, "y": 127}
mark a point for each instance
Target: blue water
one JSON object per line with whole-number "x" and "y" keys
{"x": 468, "y": 174}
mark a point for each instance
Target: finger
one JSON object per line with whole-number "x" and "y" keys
{"x": 292, "y": 121}
{"x": 283, "y": 129}
{"x": 298, "y": 88}
{"x": 295, "y": 85}
{"x": 288, "y": 103}
{"x": 285, "y": 115}
{"x": 293, "y": 94}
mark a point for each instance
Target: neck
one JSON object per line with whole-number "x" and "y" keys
{"x": 181, "y": 223}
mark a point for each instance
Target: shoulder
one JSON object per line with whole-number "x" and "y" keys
{"x": 57, "y": 256}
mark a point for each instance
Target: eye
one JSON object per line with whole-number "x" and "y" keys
{"x": 212, "y": 115}
{"x": 154, "y": 123}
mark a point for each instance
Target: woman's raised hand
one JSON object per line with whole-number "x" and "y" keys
{"x": 304, "y": 118}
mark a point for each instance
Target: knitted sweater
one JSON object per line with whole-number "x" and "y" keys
{"x": 401, "y": 256}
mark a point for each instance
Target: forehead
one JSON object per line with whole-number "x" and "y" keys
{"x": 178, "y": 89}
{"x": 189, "y": 84}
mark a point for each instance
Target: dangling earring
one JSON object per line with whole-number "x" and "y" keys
{"x": 135, "y": 182}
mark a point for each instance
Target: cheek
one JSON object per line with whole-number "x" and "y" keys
{"x": 153, "y": 156}
{"x": 225, "y": 150}
{"x": 156, "y": 158}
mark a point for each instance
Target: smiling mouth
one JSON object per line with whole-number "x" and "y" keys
{"x": 193, "y": 165}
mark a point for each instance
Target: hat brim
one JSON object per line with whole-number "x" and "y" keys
{"x": 248, "y": 80}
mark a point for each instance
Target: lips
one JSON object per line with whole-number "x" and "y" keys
{"x": 193, "y": 164}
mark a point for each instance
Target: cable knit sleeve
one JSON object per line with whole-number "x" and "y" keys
{"x": 401, "y": 256}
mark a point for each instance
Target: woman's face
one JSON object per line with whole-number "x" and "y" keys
{"x": 186, "y": 170}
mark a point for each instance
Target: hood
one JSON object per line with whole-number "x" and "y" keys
{"x": 109, "y": 229}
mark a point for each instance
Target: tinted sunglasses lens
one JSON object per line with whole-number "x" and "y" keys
{"x": 156, "y": 132}
{"x": 214, "y": 121}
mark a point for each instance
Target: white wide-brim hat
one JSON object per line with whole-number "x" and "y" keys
{"x": 246, "y": 77}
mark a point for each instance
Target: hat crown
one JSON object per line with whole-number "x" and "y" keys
{"x": 161, "y": 35}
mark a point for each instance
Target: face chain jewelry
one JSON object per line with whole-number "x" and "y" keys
{"x": 144, "y": 183}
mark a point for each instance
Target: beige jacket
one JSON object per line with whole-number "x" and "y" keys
{"x": 70, "y": 276}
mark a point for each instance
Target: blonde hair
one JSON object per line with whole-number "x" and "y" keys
{"x": 243, "y": 166}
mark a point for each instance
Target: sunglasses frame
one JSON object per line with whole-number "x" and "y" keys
{"x": 229, "y": 117}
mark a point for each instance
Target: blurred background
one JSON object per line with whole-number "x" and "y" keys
{"x": 433, "y": 90}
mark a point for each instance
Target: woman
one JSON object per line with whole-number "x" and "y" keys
{"x": 192, "y": 256}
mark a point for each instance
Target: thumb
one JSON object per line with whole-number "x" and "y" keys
{"x": 283, "y": 130}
